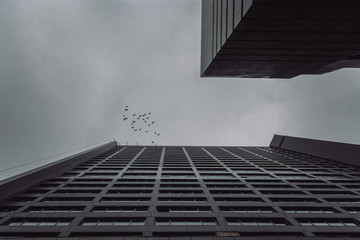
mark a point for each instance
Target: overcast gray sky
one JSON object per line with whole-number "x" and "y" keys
{"x": 68, "y": 68}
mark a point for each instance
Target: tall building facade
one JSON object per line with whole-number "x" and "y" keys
{"x": 278, "y": 38}
{"x": 174, "y": 192}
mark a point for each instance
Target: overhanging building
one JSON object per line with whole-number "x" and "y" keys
{"x": 163, "y": 192}
{"x": 278, "y": 38}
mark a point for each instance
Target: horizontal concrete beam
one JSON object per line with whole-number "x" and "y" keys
{"x": 340, "y": 152}
{"x": 30, "y": 178}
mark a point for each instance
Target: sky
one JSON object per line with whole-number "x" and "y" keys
{"x": 68, "y": 68}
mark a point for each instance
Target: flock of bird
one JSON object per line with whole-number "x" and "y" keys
{"x": 140, "y": 122}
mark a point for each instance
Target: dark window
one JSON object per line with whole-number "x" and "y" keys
{"x": 325, "y": 222}
{"x": 185, "y": 221}
{"x": 114, "y": 209}
{"x": 113, "y": 222}
{"x": 247, "y": 209}
{"x": 257, "y": 222}
{"x": 179, "y": 209}
{"x": 31, "y": 222}
{"x": 305, "y": 210}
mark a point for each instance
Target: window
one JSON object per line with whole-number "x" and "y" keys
{"x": 247, "y": 209}
{"x": 226, "y": 186}
{"x": 129, "y": 185}
{"x": 8, "y": 208}
{"x": 334, "y": 192}
{"x": 181, "y": 191}
{"x": 179, "y": 185}
{"x": 238, "y": 199}
{"x": 135, "y": 180}
{"x": 309, "y": 200}
{"x": 67, "y": 199}
{"x": 125, "y": 199}
{"x": 309, "y": 210}
{"x": 325, "y": 222}
{"x": 113, "y": 222}
{"x": 128, "y": 191}
{"x": 115, "y": 209}
{"x": 185, "y": 221}
{"x": 221, "y": 180}
{"x": 179, "y": 180}
{"x": 282, "y": 192}
{"x": 36, "y": 191}
{"x": 77, "y": 185}
{"x": 185, "y": 233}
{"x": 272, "y": 186}
{"x": 78, "y": 191}
{"x": 180, "y": 209}
{"x": 352, "y": 209}
{"x": 231, "y": 192}
{"x": 55, "y": 209}
{"x": 30, "y": 222}
{"x": 100, "y": 174}
{"x": 257, "y": 221}
{"x": 91, "y": 180}
{"x": 22, "y": 199}
{"x": 182, "y": 199}
{"x": 318, "y": 186}
{"x": 343, "y": 200}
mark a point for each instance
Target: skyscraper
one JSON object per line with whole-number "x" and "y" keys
{"x": 278, "y": 39}
{"x": 164, "y": 192}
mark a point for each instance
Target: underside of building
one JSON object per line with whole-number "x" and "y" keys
{"x": 278, "y": 38}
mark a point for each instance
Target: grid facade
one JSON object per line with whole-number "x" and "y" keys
{"x": 209, "y": 192}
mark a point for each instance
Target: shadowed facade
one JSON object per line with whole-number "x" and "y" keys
{"x": 278, "y": 38}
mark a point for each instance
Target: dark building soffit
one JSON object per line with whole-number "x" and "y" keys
{"x": 336, "y": 151}
{"x": 27, "y": 179}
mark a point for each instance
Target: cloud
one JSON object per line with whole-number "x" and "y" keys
{"x": 67, "y": 69}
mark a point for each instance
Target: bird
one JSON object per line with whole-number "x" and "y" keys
{"x": 152, "y": 122}
{"x": 135, "y": 130}
{"x": 125, "y": 118}
{"x": 146, "y": 131}
{"x": 158, "y": 134}
{"x": 134, "y": 115}
{"x": 152, "y": 141}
